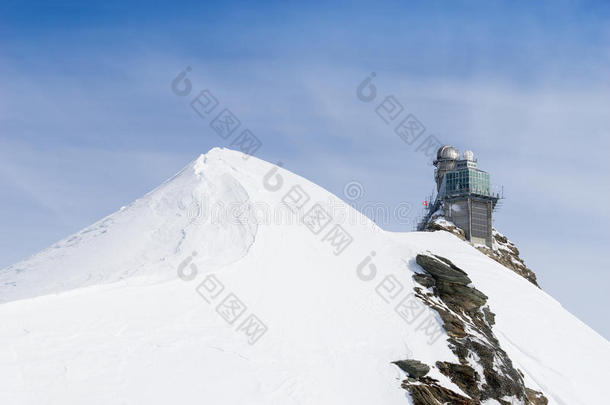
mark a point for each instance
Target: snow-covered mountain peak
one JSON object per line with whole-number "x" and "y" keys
{"x": 239, "y": 282}
{"x": 145, "y": 237}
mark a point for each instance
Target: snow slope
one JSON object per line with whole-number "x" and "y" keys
{"x": 102, "y": 317}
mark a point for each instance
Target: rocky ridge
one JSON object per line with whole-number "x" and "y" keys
{"x": 484, "y": 372}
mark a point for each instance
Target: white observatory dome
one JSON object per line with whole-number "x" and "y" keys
{"x": 468, "y": 155}
{"x": 447, "y": 152}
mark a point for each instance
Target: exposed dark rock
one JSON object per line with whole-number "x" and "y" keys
{"x": 438, "y": 223}
{"x": 490, "y": 317}
{"x": 414, "y": 368}
{"x": 457, "y": 294}
{"x": 536, "y": 397}
{"x": 424, "y": 279}
{"x": 468, "y": 322}
{"x": 442, "y": 269}
{"x": 462, "y": 375}
{"x": 431, "y": 393}
{"x": 453, "y": 325}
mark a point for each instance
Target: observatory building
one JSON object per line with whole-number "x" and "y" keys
{"x": 463, "y": 194}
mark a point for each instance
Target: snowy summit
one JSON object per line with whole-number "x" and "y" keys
{"x": 238, "y": 282}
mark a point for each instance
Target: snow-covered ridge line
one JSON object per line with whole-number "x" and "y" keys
{"x": 503, "y": 250}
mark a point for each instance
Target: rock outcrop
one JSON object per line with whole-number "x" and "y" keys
{"x": 427, "y": 391}
{"x": 415, "y": 369}
{"x": 438, "y": 222}
{"x": 484, "y": 371}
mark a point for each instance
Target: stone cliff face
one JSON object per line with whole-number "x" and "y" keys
{"x": 503, "y": 251}
{"x": 484, "y": 371}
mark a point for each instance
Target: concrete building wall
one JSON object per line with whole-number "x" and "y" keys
{"x": 473, "y": 216}
{"x": 458, "y": 212}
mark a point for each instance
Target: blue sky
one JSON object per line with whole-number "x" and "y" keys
{"x": 88, "y": 122}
